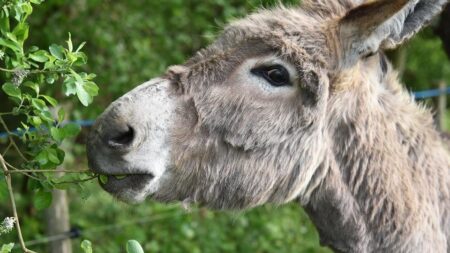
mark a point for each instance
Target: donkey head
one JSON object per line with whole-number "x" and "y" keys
{"x": 247, "y": 120}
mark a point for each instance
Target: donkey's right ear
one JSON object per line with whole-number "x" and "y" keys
{"x": 383, "y": 24}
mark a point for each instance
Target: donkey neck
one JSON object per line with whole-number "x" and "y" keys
{"x": 387, "y": 188}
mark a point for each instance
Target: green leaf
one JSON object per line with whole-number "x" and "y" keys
{"x": 80, "y": 46}
{"x": 91, "y": 88}
{"x": 39, "y": 104}
{"x": 69, "y": 86}
{"x": 4, "y": 23}
{"x": 133, "y": 246}
{"x": 39, "y": 56}
{"x": 42, "y": 199}
{"x": 71, "y": 130}
{"x": 50, "y": 100}
{"x": 27, "y": 9}
{"x": 50, "y": 80}
{"x": 69, "y": 43}
{"x": 36, "y": 121}
{"x": 12, "y": 90}
{"x": 13, "y": 45}
{"x": 53, "y": 156}
{"x": 61, "y": 115}
{"x": 33, "y": 86}
{"x": 86, "y": 245}
{"x": 103, "y": 179}
{"x": 57, "y": 134}
{"x": 57, "y": 51}
{"x": 6, "y": 248}
{"x": 42, "y": 157}
{"x": 21, "y": 32}
{"x": 47, "y": 116}
{"x": 83, "y": 96}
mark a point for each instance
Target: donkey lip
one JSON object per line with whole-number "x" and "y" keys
{"x": 113, "y": 182}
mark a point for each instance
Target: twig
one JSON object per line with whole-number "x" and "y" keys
{"x": 8, "y": 70}
{"x": 16, "y": 170}
{"x": 36, "y": 71}
{"x": 3, "y": 123}
{"x": 7, "y": 148}
{"x": 76, "y": 181}
{"x": 13, "y": 205}
{"x": 49, "y": 171}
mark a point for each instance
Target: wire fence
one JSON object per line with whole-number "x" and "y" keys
{"x": 418, "y": 95}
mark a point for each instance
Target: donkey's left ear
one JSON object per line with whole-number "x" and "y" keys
{"x": 383, "y": 24}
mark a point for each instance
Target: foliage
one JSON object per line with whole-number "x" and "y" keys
{"x": 27, "y": 71}
{"x": 86, "y": 245}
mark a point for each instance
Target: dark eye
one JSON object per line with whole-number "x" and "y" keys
{"x": 276, "y": 75}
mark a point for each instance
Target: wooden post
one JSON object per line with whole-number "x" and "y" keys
{"x": 57, "y": 217}
{"x": 441, "y": 107}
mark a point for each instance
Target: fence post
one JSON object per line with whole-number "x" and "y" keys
{"x": 442, "y": 104}
{"x": 57, "y": 216}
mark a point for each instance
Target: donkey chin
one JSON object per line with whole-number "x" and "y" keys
{"x": 128, "y": 147}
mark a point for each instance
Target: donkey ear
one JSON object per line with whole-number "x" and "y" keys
{"x": 384, "y": 24}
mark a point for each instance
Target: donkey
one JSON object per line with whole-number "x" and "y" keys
{"x": 291, "y": 104}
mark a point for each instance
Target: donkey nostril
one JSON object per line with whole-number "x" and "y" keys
{"x": 122, "y": 139}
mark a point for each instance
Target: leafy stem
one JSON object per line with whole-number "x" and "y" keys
{"x": 13, "y": 204}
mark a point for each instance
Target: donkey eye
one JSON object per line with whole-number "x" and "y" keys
{"x": 276, "y": 75}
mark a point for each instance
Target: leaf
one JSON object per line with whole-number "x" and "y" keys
{"x": 57, "y": 51}
{"x": 61, "y": 115}
{"x": 39, "y": 56}
{"x": 6, "y": 248}
{"x": 42, "y": 157}
{"x": 21, "y": 32}
{"x": 91, "y": 88}
{"x": 71, "y": 130}
{"x": 33, "y": 86}
{"x": 80, "y": 46}
{"x": 57, "y": 134}
{"x": 69, "y": 86}
{"x": 86, "y": 245}
{"x": 103, "y": 179}
{"x": 69, "y": 43}
{"x": 50, "y": 80}
{"x": 133, "y": 246}
{"x": 10, "y": 44}
{"x": 12, "y": 90}
{"x": 50, "y": 100}
{"x": 47, "y": 116}
{"x": 4, "y": 23}
{"x": 53, "y": 156}
{"x": 39, "y": 104}
{"x": 42, "y": 199}
{"x": 83, "y": 96}
{"x": 36, "y": 121}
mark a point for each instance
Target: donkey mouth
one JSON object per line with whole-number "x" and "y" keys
{"x": 124, "y": 182}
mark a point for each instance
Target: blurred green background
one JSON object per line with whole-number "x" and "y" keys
{"x": 129, "y": 42}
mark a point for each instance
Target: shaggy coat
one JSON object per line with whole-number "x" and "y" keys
{"x": 345, "y": 139}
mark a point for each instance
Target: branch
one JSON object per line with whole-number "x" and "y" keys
{"x": 49, "y": 171}
{"x": 36, "y": 71}
{"x": 2, "y": 122}
{"x": 13, "y": 205}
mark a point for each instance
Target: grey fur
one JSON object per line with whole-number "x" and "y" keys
{"x": 346, "y": 141}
